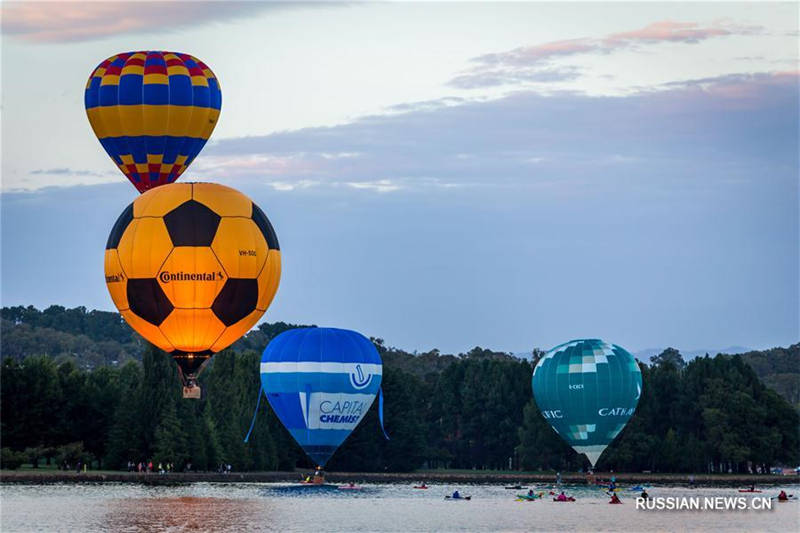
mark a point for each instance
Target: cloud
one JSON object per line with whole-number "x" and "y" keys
{"x": 83, "y": 21}
{"x": 490, "y": 78}
{"x": 525, "y": 140}
{"x": 668, "y": 31}
{"x": 377, "y": 186}
{"x": 525, "y": 64}
{"x": 68, "y": 172}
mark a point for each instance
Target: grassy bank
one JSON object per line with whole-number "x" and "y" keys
{"x": 429, "y": 476}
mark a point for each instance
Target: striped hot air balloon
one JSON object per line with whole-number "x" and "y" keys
{"x": 153, "y": 112}
{"x": 320, "y": 382}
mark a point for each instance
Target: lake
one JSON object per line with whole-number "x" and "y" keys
{"x": 377, "y": 507}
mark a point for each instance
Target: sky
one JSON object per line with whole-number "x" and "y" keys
{"x": 447, "y": 175}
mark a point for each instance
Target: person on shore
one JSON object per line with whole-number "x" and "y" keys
{"x": 558, "y": 478}
{"x": 615, "y": 498}
{"x": 150, "y": 466}
{"x": 691, "y": 481}
{"x": 78, "y": 467}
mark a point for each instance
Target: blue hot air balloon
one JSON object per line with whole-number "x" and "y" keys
{"x": 321, "y": 382}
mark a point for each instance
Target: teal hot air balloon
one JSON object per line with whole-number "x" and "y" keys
{"x": 587, "y": 390}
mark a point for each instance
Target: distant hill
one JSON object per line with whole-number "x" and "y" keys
{"x": 779, "y": 369}
{"x": 647, "y": 354}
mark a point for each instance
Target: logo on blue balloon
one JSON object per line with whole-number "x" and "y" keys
{"x": 358, "y": 379}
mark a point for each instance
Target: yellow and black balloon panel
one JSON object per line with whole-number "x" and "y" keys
{"x": 192, "y": 267}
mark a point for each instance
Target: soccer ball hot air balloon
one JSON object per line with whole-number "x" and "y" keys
{"x": 587, "y": 390}
{"x": 153, "y": 112}
{"x": 192, "y": 267}
{"x": 321, "y": 382}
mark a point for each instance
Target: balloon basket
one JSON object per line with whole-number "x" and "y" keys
{"x": 192, "y": 392}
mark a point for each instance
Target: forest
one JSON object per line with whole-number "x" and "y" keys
{"x": 81, "y": 385}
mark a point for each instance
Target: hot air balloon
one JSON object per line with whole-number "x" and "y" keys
{"x": 153, "y": 112}
{"x": 587, "y": 390}
{"x": 192, "y": 267}
{"x": 321, "y": 382}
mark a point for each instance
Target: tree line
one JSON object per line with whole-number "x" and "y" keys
{"x": 472, "y": 411}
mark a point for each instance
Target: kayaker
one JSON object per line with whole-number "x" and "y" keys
{"x": 561, "y": 497}
{"x": 456, "y": 495}
{"x": 612, "y": 485}
{"x": 752, "y": 487}
{"x": 423, "y": 486}
{"x": 644, "y": 495}
{"x": 615, "y": 498}
{"x": 782, "y": 497}
{"x": 530, "y": 493}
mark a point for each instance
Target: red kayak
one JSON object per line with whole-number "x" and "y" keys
{"x": 570, "y": 499}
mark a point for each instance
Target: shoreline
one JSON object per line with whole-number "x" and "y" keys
{"x": 431, "y": 476}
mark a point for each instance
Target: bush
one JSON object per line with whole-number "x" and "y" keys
{"x": 11, "y": 460}
{"x": 70, "y": 454}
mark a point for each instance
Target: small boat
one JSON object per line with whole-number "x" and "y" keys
{"x": 529, "y": 497}
{"x": 749, "y": 490}
{"x": 569, "y": 499}
{"x": 459, "y": 498}
{"x": 423, "y": 487}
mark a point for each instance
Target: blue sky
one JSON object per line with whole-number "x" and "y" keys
{"x": 448, "y": 175}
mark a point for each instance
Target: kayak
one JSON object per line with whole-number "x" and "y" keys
{"x": 459, "y": 498}
{"x": 614, "y": 503}
{"x": 529, "y": 497}
{"x": 570, "y": 499}
{"x": 420, "y": 487}
{"x": 516, "y": 487}
{"x": 748, "y": 490}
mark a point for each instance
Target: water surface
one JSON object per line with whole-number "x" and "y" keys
{"x": 284, "y": 507}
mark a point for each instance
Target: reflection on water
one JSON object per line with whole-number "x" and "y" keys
{"x": 184, "y": 513}
{"x": 89, "y": 508}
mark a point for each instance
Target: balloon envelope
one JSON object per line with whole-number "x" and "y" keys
{"x": 320, "y": 382}
{"x": 153, "y": 112}
{"x": 192, "y": 267}
{"x": 587, "y": 390}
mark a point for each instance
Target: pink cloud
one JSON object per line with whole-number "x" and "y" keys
{"x": 82, "y": 21}
{"x": 524, "y": 63}
{"x": 667, "y": 30}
